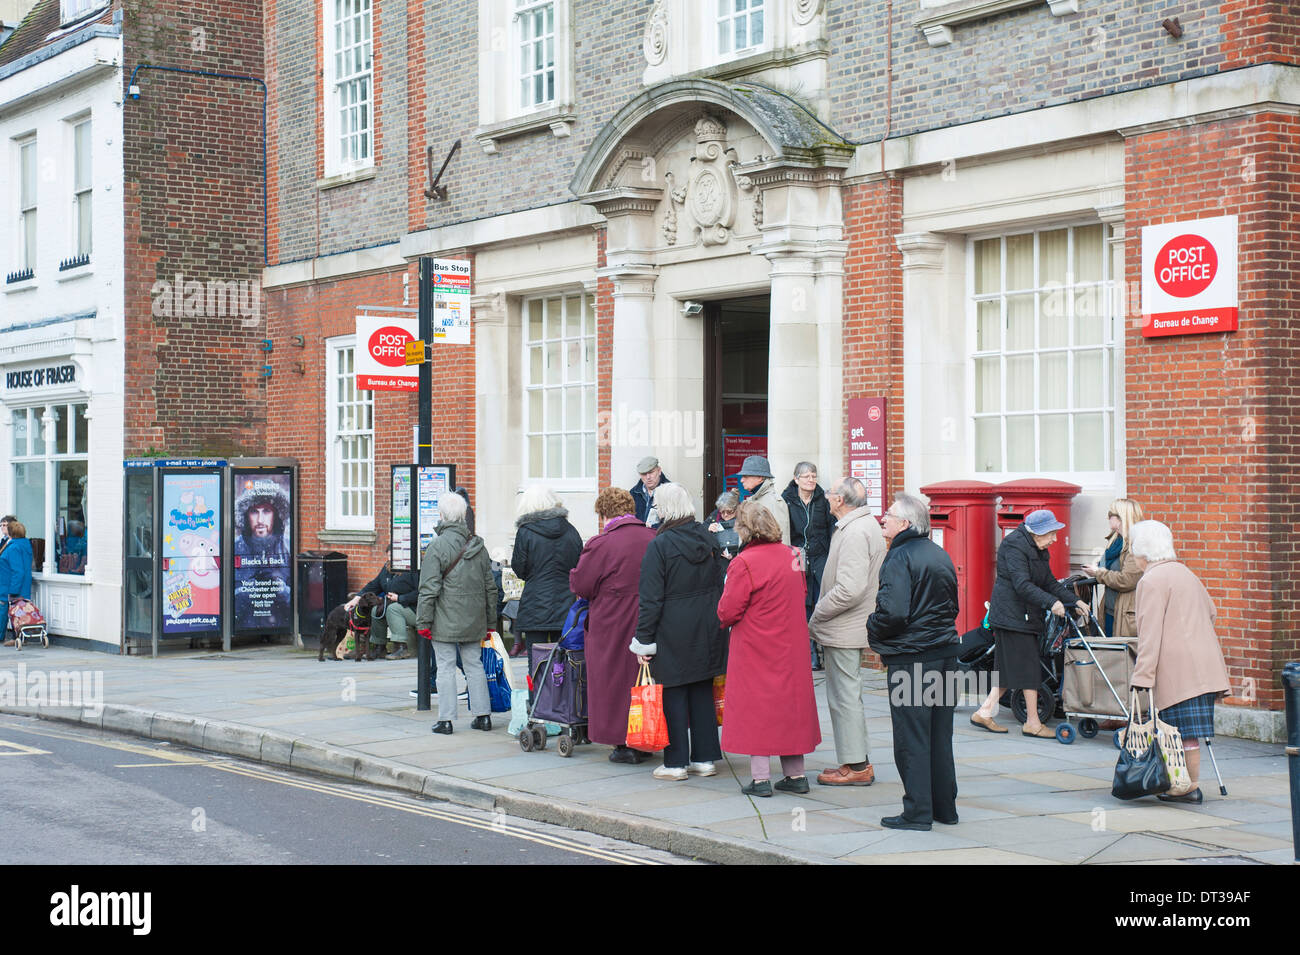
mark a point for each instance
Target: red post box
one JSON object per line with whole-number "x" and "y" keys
{"x": 1022, "y": 498}
{"x": 961, "y": 522}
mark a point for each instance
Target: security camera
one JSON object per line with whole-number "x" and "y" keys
{"x": 692, "y": 308}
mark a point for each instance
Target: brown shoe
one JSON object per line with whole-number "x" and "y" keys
{"x": 846, "y": 776}
{"x": 987, "y": 723}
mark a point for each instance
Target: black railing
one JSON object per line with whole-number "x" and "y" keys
{"x": 76, "y": 262}
{"x": 22, "y": 275}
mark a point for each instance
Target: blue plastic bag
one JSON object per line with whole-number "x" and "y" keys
{"x": 574, "y": 632}
{"x": 497, "y": 683}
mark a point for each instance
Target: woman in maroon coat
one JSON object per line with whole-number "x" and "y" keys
{"x": 608, "y": 574}
{"x": 770, "y": 709}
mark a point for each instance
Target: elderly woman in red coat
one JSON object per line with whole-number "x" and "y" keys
{"x": 608, "y": 574}
{"x": 770, "y": 709}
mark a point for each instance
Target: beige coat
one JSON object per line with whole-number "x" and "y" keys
{"x": 1124, "y": 582}
{"x": 766, "y": 495}
{"x": 1178, "y": 649}
{"x": 850, "y": 581}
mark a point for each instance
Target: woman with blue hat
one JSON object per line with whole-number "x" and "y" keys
{"x": 1024, "y": 589}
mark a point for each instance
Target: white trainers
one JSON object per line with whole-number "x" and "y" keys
{"x": 701, "y": 769}
{"x": 666, "y": 772}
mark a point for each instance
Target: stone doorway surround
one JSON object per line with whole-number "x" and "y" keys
{"x": 710, "y": 189}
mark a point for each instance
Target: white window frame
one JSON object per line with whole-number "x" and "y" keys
{"x": 717, "y": 18}
{"x": 336, "y": 163}
{"x": 523, "y": 20}
{"x": 503, "y": 111}
{"x": 568, "y": 479}
{"x": 73, "y": 10}
{"x": 82, "y": 188}
{"x": 27, "y": 205}
{"x": 1104, "y": 296}
{"x": 335, "y": 488}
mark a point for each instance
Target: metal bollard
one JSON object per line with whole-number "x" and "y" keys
{"x": 1291, "y": 693}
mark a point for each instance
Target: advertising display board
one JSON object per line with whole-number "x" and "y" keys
{"x": 416, "y": 488}
{"x": 262, "y": 523}
{"x": 1189, "y": 277}
{"x": 867, "y": 449}
{"x": 381, "y": 354}
{"x": 191, "y": 553}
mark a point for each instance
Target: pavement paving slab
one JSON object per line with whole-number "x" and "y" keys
{"x": 1021, "y": 801}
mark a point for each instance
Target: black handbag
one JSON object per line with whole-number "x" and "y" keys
{"x": 1140, "y": 772}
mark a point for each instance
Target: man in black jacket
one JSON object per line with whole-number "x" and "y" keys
{"x": 913, "y": 630}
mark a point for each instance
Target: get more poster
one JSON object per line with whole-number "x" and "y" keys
{"x": 191, "y": 553}
{"x": 263, "y": 539}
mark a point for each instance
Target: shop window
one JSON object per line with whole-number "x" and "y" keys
{"x": 350, "y": 442}
{"x": 50, "y": 455}
{"x": 349, "y": 87}
{"x": 560, "y": 397}
{"x": 1043, "y": 354}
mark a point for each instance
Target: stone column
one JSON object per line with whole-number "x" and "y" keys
{"x": 794, "y": 361}
{"x": 497, "y": 403}
{"x": 632, "y": 396}
{"x": 934, "y": 352}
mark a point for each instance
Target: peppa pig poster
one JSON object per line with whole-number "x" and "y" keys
{"x": 191, "y": 553}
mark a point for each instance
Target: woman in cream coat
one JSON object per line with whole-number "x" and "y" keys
{"x": 1178, "y": 650}
{"x": 1121, "y": 574}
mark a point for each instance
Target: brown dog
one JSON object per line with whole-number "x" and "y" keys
{"x": 342, "y": 621}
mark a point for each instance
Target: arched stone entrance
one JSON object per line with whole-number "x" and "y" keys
{"x": 712, "y": 190}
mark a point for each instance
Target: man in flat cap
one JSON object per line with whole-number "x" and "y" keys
{"x": 652, "y": 475}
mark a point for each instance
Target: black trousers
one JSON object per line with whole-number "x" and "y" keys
{"x": 692, "y": 725}
{"x": 920, "y": 711}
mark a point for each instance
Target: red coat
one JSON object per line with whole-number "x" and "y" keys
{"x": 770, "y": 708}
{"x": 608, "y": 574}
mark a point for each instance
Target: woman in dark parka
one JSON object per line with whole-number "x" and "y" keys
{"x": 608, "y": 575}
{"x": 546, "y": 548}
{"x": 810, "y": 530}
{"x": 1023, "y": 592}
{"x": 678, "y": 632}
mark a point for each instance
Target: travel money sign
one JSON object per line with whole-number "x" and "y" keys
{"x": 1189, "y": 277}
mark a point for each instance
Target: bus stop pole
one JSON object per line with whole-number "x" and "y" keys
{"x": 424, "y": 441}
{"x": 1291, "y": 693}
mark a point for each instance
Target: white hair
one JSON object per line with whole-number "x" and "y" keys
{"x": 673, "y": 503}
{"x": 913, "y": 510}
{"x": 536, "y": 497}
{"x": 1152, "y": 541}
{"x": 451, "y": 508}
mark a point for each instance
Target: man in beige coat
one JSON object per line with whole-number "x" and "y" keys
{"x": 839, "y": 624}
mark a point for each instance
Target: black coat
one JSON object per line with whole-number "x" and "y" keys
{"x": 1024, "y": 589}
{"x": 811, "y": 525}
{"x": 404, "y": 583}
{"x": 681, "y": 584}
{"x": 916, "y": 605}
{"x": 547, "y": 547}
{"x": 642, "y": 497}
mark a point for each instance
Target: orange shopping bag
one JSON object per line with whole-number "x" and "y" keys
{"x": 647, "y": 730}
{"x": 719, "y": 695}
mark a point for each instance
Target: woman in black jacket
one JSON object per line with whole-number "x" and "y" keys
{"x": 1022, "y": 592}
{"x": 546, "y": 548}
{"x": 677, "y": 632}
{"x": 810, "y": 530}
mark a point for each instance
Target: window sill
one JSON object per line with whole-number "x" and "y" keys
{"x": 764, "y": 60}
{"x": 343, "y": 178}
{"x": 345, "y": 536}
{"x": 22, "y": 286}
{"x": 559, "y": 119}
{"x": 937, "y": 22}
{"x": 81, "y": 271}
